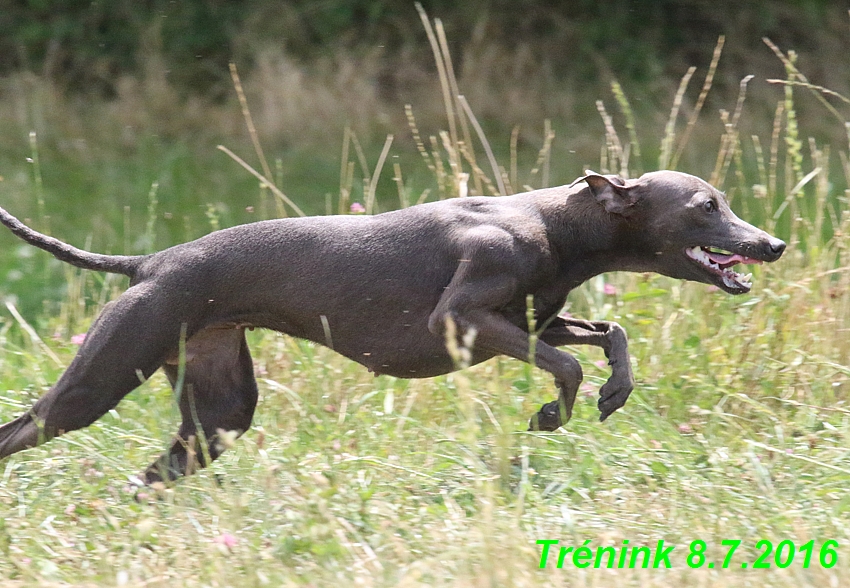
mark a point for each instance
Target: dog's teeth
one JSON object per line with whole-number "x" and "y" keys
{"x": 699, "y": 254}
{"x": 730, "y": 277}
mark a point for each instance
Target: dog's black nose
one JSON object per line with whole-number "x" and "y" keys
{"x": 777, "y": 246}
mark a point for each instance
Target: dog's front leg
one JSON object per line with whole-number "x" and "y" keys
{"x": 495, "y": 273}
{"x": 612, "y": 339}
{"x": 471, "y": 306}
{"x": 496, "y": 334}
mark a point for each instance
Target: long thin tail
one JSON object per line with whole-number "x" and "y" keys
{"x": 116, "y": 264}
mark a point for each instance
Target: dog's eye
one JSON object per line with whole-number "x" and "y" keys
{"x": 709, "y": 206}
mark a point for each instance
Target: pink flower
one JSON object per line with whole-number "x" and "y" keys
{"x": 226, "y": 539}
{"x": 609, "y": 289}
{"x": 601, "y": 364}
{"x": 357, "y": 208}
{"x": 78, "y": 339}
{"x": 565, "y": 315}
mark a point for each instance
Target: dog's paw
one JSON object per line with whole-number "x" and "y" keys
{"x": 137, "y": 489}
{"x": 613, "y": 395}
{"x": 548, "y": 418}
{"x": 144, "y": 490}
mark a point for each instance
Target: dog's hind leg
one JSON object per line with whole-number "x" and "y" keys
{"x": 217, "y": 392}
{"x": 612, "y": 339}
{"x": 124, "y": 346}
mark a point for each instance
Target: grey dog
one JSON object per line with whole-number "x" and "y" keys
{"x": 379, "y": 290}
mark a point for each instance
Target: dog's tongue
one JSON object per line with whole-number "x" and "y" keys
{"x": 722, "y": 259}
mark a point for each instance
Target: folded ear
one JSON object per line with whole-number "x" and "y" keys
{"x": 616, "y": 198}
{"x": 613, "y": 177}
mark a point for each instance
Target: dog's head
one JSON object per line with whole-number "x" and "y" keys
{"x": 682, "y": 227}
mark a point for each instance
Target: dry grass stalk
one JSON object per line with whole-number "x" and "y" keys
{"x": 793, "y": 72}
{"x": 729, "y": 143}
{"x": 403, "y": 200}
{"x": 420, "y": 146}
{"x": 626, "y": 110}
{"x": 485, "y": 143}
{"x": 249, "y": 121}
{"x": 617, "y": 159}
{"x": 478, "y": 172}
{"x": 265, "y": 181}
{"x": 706, "y": 86}
{"x": 664, "y": 160}
{"x": 514, "y": 162}
{"x": 445, "y": 85}
{"x": 464, "y": 126}
{"x": 373, "y": 184}
{"x": 544, "y": 155}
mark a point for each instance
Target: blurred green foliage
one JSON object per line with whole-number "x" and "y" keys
{"x": 86, "y": 45}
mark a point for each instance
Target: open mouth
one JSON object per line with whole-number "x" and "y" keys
{"x": 719, "y": 263}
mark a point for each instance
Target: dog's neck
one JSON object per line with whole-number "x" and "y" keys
{"x": 587, "y": 240}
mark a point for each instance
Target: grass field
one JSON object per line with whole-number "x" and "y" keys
{"x": 739, "y": 427}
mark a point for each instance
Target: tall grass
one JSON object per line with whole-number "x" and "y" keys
{"x": 739, "y": 426}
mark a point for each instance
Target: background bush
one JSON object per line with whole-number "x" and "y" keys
{"x": 86, "y": 46}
